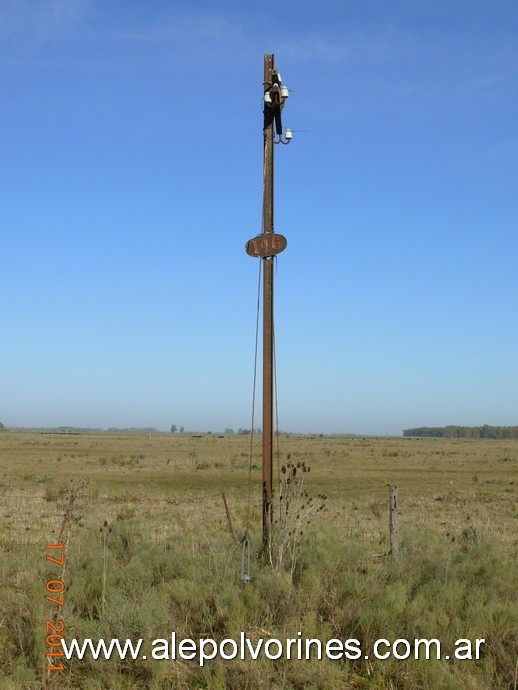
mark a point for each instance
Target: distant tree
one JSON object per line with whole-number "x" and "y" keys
{"x": 229, "y": 432}
{"x": 485, "y": 431}
{"x": 182, "y": 429}
{"x": 2, "y": 428}
{"x": 173, "y": 428}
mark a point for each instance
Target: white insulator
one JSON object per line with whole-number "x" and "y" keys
{"x": 284, "y": 92}
{"x": 289, "y": 134}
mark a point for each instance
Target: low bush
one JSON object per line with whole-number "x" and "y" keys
{"x": 339, "y": 590}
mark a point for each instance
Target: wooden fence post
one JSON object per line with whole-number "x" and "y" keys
{"x": 229, "y": 518}
{"x": 393, "y": 521}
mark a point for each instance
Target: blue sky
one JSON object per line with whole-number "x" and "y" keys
{"x": 131, "y": 179}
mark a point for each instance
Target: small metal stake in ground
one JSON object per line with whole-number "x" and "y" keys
{"x": 266, "y": 246}
{"x": 393, "y": 521}
{"x": 245, "y": 560}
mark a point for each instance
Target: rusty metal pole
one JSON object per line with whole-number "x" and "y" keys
{"x": 268, "y": 228}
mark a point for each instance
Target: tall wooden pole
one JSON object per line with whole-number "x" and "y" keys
{"x": 268, "y": 228}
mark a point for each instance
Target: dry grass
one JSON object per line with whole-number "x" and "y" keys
{"x": 459, "y": 491}
{"x": 443, "y": 484}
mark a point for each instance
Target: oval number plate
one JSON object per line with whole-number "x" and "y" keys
{"x": 266, "y": 245}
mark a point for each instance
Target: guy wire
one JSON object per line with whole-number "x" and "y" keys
{"x": 278, "y": 451}
{"x": 277, "y": 437}
{"x": 253, "y": 403}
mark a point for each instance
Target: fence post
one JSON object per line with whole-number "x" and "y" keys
{"x": 393, "y": 521}
{"x": 229, "y": 518}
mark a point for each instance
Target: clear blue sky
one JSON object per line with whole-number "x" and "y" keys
{"x": 130, "y": 180}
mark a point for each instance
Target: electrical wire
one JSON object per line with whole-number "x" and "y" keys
{"x": 249, "y": 499}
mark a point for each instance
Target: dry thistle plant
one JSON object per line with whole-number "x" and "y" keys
{"x": 71, "y": 516}
{"x": 295, "y": 509}
{"x": 73, "y": 496}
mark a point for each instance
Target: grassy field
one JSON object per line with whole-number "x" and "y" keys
{"x": 148, "y": 550}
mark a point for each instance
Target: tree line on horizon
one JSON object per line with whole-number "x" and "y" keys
{"x": 77, "y": 430}
{"x": 451, "y": 431}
